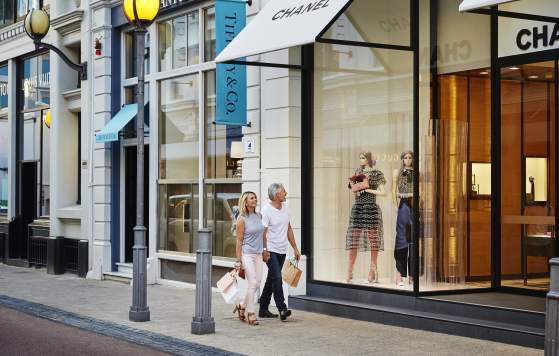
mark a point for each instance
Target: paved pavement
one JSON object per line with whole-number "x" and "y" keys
{"x": 51, "y": 338}
{"x": 172, "y": 309}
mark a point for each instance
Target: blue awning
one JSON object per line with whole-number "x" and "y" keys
{"x": 117, "y": 123}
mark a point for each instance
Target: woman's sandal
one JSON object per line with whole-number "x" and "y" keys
{"x": 252, "y": 319}
{"x": 240, "y": 311}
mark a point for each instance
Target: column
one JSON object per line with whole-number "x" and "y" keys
{"x": 101, "y": 164}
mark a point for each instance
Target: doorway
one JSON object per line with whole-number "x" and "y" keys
{"x": 29, "y": 203}
{"x": 130, "y": 181}
{"x": 528, "y": 174}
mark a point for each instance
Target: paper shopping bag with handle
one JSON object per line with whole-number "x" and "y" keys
{"x": 291, "y": 272}
{"x": 229, "y": 288}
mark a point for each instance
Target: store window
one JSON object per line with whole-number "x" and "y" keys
{"x": 35, "y": 124}
{"x": 363, "y": 176}
{"x": 209, "y": 34}
{"x": 179, "y": 127}
{"x": 178, "y": 222}
{"x": 180, "y": 135}
{"x": 130, "y": 59}
{"x": 224, "y": 146}
{"x": 224, "y": 160}
{"x": 179, "y": 43}
{"x": 4, "y": 140}
{"x": 12, "y": 11}
{"x": 456, "y": 254}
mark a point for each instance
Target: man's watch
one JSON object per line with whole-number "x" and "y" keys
{"x": 265, "y": 249}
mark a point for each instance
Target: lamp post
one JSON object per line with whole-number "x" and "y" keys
{"x": 37, "y": 25}
{"x": 140, "y": 13}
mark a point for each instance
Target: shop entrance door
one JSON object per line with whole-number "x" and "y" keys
{"x": 528, "y": 155}
{"x": 130, "y": 174}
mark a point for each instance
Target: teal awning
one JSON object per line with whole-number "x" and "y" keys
{"x": 117, "y": 123}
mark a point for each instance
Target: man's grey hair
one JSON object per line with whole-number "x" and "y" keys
{"x": 274, "y": 189}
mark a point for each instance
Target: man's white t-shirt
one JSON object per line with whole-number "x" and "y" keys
{"x": 277, "y": 222}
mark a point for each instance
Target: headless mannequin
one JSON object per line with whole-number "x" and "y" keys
{"x": 373, "y": 275}
{"x": 407, "y": 163}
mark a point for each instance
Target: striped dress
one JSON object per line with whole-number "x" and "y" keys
{"x": 365, "y": 231}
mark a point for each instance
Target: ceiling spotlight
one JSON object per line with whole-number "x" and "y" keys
{"x": 533, "y": 77}
{"x": 484, "y": 73}
{"x": 514, "y": 68}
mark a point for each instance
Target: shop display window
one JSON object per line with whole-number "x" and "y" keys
{"x": 363, "y": 166}
{"x": 209, "y": 34}
{"x": 179, "y": 127}
{"x": 179, "y": 44}
{"x": 178, "y": 222}
{"x": 381, "y": 22}
{"x": 130, "y": 59}
{"x": 455, "y": 246}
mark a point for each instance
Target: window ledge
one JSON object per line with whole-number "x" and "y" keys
{"x": 73, "y": 98}
{"x": 70, "y": 212}
{"x": 191, "y": 258}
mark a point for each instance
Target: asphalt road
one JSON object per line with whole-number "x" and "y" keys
{"x": 21, "y": 334}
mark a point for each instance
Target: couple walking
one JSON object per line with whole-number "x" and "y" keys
{"x": 263, "y": 237}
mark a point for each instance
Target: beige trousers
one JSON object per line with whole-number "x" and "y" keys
{"x": 252, "y": 264}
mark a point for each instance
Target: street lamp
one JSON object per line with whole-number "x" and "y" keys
{"x": 37, "y": 25}
{"x": 141, "y": 14}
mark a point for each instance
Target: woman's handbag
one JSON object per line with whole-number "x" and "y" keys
{"x": 229, "y": 288}
{"x": 360, "y": 182}
{"x": 291, "y": 273}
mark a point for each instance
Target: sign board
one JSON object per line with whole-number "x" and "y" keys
{"x": 283, "y": 24}
{"x": 249, "y": 146}
{"x": 231, "y": 79}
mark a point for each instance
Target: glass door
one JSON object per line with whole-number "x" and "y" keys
{"x": 528, "y": 174}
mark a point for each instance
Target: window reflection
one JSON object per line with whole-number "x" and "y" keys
{"x": 179, "y": 127}
{"x": 179, "y": 43}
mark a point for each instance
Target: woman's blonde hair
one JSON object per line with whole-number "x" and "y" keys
{"x": 243, "y": 211}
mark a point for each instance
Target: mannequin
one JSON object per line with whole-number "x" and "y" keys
{"x": 365, "y": 229}
{"x": 402, "y": 196}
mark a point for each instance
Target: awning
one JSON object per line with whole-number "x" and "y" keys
{"x": 283, "y": 24}
{"x": 468, "y": 5}
{"x": 117, "y": 123}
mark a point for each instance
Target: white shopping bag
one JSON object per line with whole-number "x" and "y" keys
{"x": 233, "y": 294}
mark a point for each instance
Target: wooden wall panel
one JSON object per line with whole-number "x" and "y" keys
{"x": 480, "y": 151}
{"x": 510, "y": 175}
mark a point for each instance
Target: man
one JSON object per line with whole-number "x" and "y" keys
{"x": 277, "y": 233}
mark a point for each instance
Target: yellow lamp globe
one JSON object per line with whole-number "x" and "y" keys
{"x": 37, "y": 24}
{"x": 141, "y": 12}
{"x": 47, "y": 119}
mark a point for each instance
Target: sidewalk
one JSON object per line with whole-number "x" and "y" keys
{"x": 172, "y": 310}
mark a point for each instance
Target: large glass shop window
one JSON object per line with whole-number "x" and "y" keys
{"x": 363, "y": 174}
{"x": 36, "y": 123}
{"x": 224, "y": 159}
{"x": 179, "y": 128}
{"x": 456, "y": 252}
{"x": 4, "y": 140}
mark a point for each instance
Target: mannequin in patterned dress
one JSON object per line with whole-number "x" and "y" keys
{"x": 365, "y": 230}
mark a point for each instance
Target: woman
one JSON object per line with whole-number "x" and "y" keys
{"x": 249, "y": 253}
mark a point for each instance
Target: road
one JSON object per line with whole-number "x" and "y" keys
{"x": 21, "y": 334}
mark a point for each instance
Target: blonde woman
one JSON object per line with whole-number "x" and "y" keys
{"x": 250, "y": 245}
